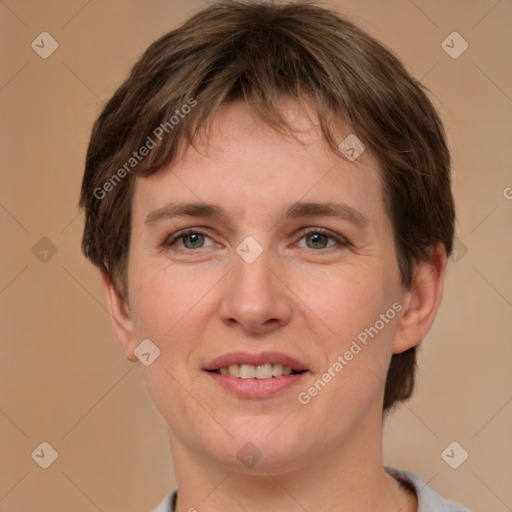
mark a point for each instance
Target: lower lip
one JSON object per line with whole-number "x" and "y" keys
{"x": 256, "y": 388}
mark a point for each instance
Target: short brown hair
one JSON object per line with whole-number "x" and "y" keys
{"x": 263, "y": 52}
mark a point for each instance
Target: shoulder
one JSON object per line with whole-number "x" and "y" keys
{"x": 428, "y": 499}
{"x": 168, "y": 503}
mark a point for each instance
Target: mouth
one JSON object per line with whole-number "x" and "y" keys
{"x": 261, "y": 372}
{"x": 256, "y": 375}
{"x": 264, "y": 365}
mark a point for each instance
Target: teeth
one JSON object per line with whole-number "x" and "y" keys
{"x": 277, "y": 371}
{"x": 234, "y": 370}
{"x": 249, "y": 371}
{"x": 264, "y": 371}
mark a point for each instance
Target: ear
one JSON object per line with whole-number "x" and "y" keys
{"x": 421, "y": 302}
{"x": 120, "y": 316}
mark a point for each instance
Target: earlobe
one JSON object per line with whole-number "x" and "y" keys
{"x": 422, "y": 301}
{"x": 121, "y": 317}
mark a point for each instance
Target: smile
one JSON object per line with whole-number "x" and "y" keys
{"x": 262, "y": 371}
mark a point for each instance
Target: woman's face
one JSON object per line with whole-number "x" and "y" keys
{"x": 272, "y": 280}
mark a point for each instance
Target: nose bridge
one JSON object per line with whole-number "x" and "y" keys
{"x": 254, "y": 298}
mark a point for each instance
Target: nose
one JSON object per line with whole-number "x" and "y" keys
{"x": 255, "y": 299}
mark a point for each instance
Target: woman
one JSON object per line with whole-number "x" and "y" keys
{"x": 268, "y": 199}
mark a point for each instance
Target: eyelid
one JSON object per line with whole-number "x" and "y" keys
{"x": 340, "y": 240}
{"x": 170, "y": 240}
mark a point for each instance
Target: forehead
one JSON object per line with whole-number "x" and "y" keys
{"x": 242, "y": 160}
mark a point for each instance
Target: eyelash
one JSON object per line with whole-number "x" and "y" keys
{"x": 171, "y": 241}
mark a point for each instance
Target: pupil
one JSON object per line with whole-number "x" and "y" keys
{"x": 316, "y": 237}
{"x": 195, "y": 238}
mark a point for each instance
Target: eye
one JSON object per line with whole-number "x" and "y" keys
{"x": 319, "y": 238}
{"x": 188, "y": 240}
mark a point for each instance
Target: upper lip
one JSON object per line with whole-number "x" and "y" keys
{"x": 255, "y": 360}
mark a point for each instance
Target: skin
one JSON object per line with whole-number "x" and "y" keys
{"x": 308, "y": 297}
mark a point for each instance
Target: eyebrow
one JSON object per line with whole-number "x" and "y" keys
{"x": 292, "y": 211}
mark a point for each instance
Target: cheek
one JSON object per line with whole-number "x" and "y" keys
{"x": 355, "y": 309}
{"x": 356, "y": 349}
{"x": 165, "y": 298}
{"x": 346, "y": 301}
{"x": 168, "y": 307}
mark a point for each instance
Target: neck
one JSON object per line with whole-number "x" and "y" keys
{"x": 349, "y": 476}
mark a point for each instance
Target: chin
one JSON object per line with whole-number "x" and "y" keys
{"x": 262, "y": 445}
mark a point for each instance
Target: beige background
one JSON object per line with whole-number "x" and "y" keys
{"x": 64, "y": 378}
